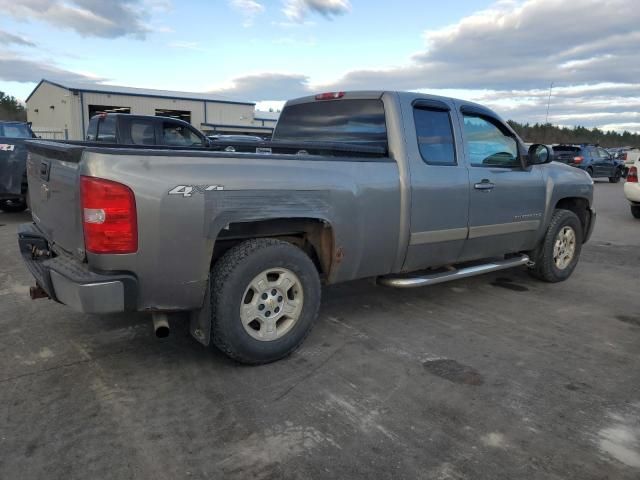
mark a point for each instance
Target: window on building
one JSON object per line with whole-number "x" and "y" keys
{"x": 98, "y": 109}
{"x": 183, "y": 115}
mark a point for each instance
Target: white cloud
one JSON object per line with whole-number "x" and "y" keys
{"x": 266, "y": 86}
{"x": 7, "y": 38}
{"x": 18, "y": 69}
{"x": 249, "y": 9}
{"x": 89, "y": 18}
{"x": 297, "y": 10}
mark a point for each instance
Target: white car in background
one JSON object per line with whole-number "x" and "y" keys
{"x": 630, "y": 156}
{"x": 632, "y": 188}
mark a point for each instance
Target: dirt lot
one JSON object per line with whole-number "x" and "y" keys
{"x": 498, "y": 376}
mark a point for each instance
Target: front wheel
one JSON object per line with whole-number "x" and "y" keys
{"x": 635, "y": 211}
{"x": 265, "y": 296}
{"x": 557, "y": 256}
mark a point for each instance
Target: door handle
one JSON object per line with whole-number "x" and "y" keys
{"x": 485, "y": 185}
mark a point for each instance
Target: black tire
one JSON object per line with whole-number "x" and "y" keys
{"x": 590, "y": 172}
{"x": 635, "y": 211}
{"x": 230, "y": 278}
{"x": 13, "y": 206}
{"x": 545, "y": 267}
{"x": 616, "y": 178}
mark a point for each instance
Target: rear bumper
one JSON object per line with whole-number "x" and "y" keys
{"x": 632, "y": 191}
{"x": 68, "y": 281}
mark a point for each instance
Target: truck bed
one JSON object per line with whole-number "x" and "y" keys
{"x": 186, "y": 198}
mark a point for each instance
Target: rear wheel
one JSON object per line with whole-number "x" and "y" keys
{"x": 590, "y": 171}
{"x": 616, "y": 178}
{"x": 265, "y": 296}
{"x": 13, "y": 206}
{"x": 635, "y": 211}
{"x": 557, "y": 256}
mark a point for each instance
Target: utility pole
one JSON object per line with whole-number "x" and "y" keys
{"x": 546, "y": 120}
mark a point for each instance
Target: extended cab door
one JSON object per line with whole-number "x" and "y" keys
{"x": 506, "y": 197}
{"x": 439, "y": 185}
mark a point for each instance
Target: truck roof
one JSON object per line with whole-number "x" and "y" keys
{"x": 376, "y": 94}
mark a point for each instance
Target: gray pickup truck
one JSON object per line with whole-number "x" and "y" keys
{"x": 409, "y": 189}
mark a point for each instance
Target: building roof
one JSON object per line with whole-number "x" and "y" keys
{"x": 138, "y": 92}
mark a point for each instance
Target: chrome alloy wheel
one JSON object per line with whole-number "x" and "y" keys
{"x": 271, "y": 304}
{"x": 564, "y": 247}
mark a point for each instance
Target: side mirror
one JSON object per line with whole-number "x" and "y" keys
{"x": 539, "y": 154}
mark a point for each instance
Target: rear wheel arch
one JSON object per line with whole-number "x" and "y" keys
{"x": 315, "y": 236}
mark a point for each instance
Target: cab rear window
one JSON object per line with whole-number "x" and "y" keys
{"x": 340, "y": 121}
{"x": 15, "y": 131}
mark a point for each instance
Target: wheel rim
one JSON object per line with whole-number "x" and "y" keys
{"x": 271, "y": 304}
{"x": 564, "y": 248}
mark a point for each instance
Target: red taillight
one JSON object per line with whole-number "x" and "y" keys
{"x": 632, "y": 176}
{"x": 578, "y": 160}
{"x": 330, "y": 96}
{"x": 108, "y": 216}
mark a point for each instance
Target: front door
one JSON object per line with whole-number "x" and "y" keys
{"x": 506, "y": 198}
{"x": 439, "y": 187}
{"x": 606, "y": 167}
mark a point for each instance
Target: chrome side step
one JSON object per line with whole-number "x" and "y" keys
{"x": 408, "y": 281}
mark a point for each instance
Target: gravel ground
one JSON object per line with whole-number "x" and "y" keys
{"x": 493, "y": 377}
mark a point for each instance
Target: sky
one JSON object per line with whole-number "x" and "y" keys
{"x": 504, "y": 54}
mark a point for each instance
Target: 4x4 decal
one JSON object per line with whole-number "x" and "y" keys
{"x": 189, "y": 190}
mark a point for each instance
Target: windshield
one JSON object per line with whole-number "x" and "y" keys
{"x": 15, "y": 130}
{"x": 341, "y": 121}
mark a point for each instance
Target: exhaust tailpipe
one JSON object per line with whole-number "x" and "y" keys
{"x": 161, "y": 325}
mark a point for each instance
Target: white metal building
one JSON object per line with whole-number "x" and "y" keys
{"x": 63, "y": 109}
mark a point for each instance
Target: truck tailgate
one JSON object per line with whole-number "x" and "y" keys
{"x": 54, "y": 193}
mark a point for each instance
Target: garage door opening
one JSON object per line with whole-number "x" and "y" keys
{"x": 179, "y": 114}
{"x": 97, "y": 109}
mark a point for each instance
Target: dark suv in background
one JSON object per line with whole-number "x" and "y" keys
{"x": 594, "y": 160}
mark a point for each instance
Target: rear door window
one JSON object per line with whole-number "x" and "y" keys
{"x": 179, "y": 135}
{"x": 143, "y": 132}
{"x": 340, "y": 121}
{"x": 435, "y": 136}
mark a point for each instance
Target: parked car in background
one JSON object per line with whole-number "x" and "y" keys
{"x": 240, "y": 143}
{"x": 13, "y": 155}
{"x": 594, "y": 160}
{"x": 127, "y": 129}
{"x": 629, "y": 156}
{"x": 389, "y": 183}
{"x": 632, "y": 188}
